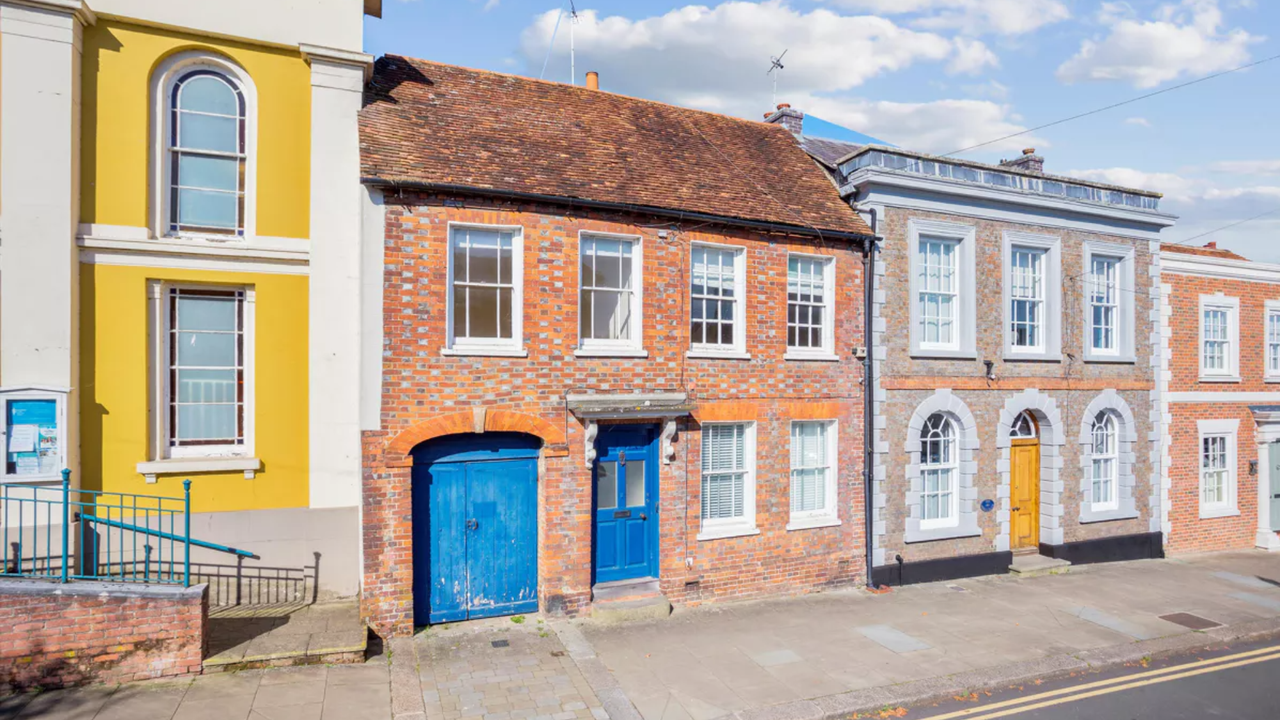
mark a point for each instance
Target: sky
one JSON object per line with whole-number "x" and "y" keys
{"x": 935, "y": 76}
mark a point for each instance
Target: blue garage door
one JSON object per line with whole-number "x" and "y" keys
{"x": 475, "y": 526}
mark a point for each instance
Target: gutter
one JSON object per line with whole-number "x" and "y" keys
{"x": 622, "y": 207}
{"x": 868, "y": 398}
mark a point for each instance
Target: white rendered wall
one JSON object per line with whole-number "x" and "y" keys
{"x": 336, "y": 228}
{"x": 39, "y": 200}
{"x": 331, "y": 23}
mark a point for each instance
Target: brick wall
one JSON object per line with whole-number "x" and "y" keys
{"x": 1189, "y": 532}
{"x": 426, "y": 395}
{"x": 1070, "y": 383}
{"x": 54, "y": 635}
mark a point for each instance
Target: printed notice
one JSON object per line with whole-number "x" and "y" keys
{"x": 28, "y": 464}
{"x": 22, "y": 438}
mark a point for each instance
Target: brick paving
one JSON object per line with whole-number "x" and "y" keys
{"x": 502, "y": 670}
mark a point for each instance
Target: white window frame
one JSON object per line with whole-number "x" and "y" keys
{"x": 168, "y": 72}
{"x": 827, "y": 351}
{"x": 829, "y": 515}
{"x": 1114, "y": 456}
{"x": 633, "y": 347}
{"x": 1126, "y": 293}
{"x": 1272, "y": 310}
{"x": 1228, "y": 429}
{"x": 495, "y": 347}
{"x": 717, "y": 528}
{"x": 1050, "y": 346}
{"x": 194, "y": 458}
{"x": 953, "y": 517}
{"x": 963, "y": 345}
{"x": 1231, "y": 371}
{"x": 738, "y": 350}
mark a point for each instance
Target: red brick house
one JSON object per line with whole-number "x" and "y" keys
{"x": 619, "y": 354}
{"x": 1221, "y": 329}
{"x": 1016, "y": 424}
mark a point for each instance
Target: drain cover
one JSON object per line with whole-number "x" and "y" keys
{"x": 1187, "y": 620}
{"x": 501, "y": 643}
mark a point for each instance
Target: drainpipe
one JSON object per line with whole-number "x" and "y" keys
{"x": 868, "y": 395}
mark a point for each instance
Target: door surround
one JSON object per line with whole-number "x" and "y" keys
{"x": 1044, "y": 410}
{"x": 1266, "y": 434}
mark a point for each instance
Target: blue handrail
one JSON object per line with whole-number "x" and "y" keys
{"x": 105, "y": 535}
{"x": 167, "y": 536}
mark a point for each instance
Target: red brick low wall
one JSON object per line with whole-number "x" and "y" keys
{"x": 54, "y": 635}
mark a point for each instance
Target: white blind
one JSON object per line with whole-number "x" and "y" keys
{"x": 723, "y": 471}
{"x": 809, "y": 466}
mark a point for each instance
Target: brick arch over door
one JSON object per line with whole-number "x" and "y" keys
{"x": 475, "y": 420}
{"x": 1052, "y": 440}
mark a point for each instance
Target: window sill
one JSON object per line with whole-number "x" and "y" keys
{"x": 1014, "y": 356}
{"x": 718, "y": 354}
{"x": 177, "y": 466}
{"x": 811, "y": 523}
{"x": 1116, "y": 359}
{"x": 607, "y": 353}
{"x": 813, "y": 357}
{"x": 939, "y": 354}
{"x": 727, "y": 531}
{"x": 1213, "y": 513}
{"x": 1097, "y": 516}
{"x": 485, "y": 352}
{"x": 1219, "y": 378}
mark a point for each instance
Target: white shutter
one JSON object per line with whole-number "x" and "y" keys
{"x": 723, "y": 471}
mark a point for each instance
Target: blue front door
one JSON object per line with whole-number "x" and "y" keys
{"x": 475, "y": 528}
{"x": 625, "y": 478}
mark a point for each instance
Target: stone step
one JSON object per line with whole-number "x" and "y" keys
{"x": 1037, "y": 565}
{"x": 246, "y": 638}
{"x": 627, "y": 600}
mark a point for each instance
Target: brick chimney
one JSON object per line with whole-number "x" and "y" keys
{"x": 1212, "y": 245}
{"x": 792, "y": 120}
{"x": 1029, "y": 162}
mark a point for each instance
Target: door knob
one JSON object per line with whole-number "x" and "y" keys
{"x": 472, "y": 524}
{"x": 644, "y": 516}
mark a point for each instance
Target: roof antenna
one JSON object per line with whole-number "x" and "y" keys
{"x": 775, "y": 64}
{"x": 573, "y": 66}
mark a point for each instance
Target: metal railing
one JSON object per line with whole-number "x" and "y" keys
{"x": 63, "y": 533}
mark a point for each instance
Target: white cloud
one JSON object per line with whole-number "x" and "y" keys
{"x": 1203, "y": 207}
{"x": 1247, "y": 167}
{"x": 1138, "y": 121}
{"x": 971, "y": 58}
{"x": 1182, "y": 39}
{"x": 941, "y": 126}
{"x": 716, "y": 58}
{"x": 974, "y": 17}
{"x": 991, "y": 89}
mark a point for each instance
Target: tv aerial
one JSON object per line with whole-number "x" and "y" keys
{"x": 775, "y": 69}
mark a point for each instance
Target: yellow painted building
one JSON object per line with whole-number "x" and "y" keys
{"x": 189, "y": 299}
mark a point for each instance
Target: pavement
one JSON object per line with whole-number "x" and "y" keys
{"x": 264, "y": 635}
{"x": 821, "y": 656}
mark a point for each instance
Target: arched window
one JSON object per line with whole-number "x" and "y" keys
{"x": 1104, "y": 462}
{"x": 1024, "y": 427}
{"x": 939, "y": 468}
{"x": 207, "y": 149}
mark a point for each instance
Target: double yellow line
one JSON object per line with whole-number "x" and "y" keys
{"x": 1114, "y": 685}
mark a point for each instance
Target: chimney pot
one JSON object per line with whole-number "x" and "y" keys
{"x": 593, "y": 80}
{"x": 783, "y": 105}
{"x": 1029, "y": 151}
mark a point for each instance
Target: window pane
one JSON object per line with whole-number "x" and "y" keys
{"x": 206, "y": 422}
{"x": 208, "y": 132}
{"x": 484, "y": 258}
{"x": 203, "y": 208}
{"x": 206, "y": 349}
{"x": 214, "y": 173}
{"x": 606, "y": 485}
{"x": 197, "y": 312}
{"x": 482, "y": 312}
{"x": 208, "y": 94}
{"x": 635, "y": 483}
{"x": 506, "y": 310}
{"x": 207, "y": 386}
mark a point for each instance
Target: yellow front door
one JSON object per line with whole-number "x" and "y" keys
{"x": 1024, "y": 467}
